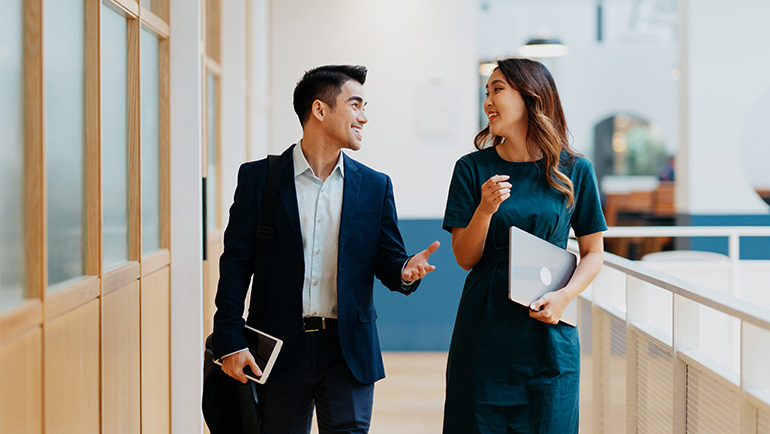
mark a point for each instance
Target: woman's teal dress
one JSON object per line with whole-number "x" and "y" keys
{"x": 509, "y": 373}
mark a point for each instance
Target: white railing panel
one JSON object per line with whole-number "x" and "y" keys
{"x": 713, "y": 407}
{"x": 609, "y": 289}
{"x": 755, "y": 376}
{"x": 655, "y": 375}
{"x": 662, "y": 354}
{"x": 763, "y": 422}
{"x": 753, "y": 280}
{"x": 615, "y": 358}
{"x": 658, "y": 313}
{"x": 713, "y": 395}
{"x": 720, "y": 338}
{"x": 587, "y": 350}
{"x": 719, "y": 333}
{"x": 758, "y": 406}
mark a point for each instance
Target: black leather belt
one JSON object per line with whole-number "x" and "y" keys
{"x": 317, "y": 323}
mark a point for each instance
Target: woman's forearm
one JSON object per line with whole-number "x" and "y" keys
{"x": 468, "y": 242}
{"x": 585, "y": 273}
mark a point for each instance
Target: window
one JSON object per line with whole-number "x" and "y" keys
{"x": 12, "y": 246}
{"x": 150, "y": 49}
{"x": 64, "y": 135}
{"x": 114, "y": 131}
{"x": 212, "y": 181}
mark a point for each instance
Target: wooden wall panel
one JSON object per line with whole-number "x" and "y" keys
{"x": 93, "y": 130}
{"x": 36, "y": 252}
{"x": 165, "y": 142}
{"x": 156, "y": 359}
{"x": 134, "y": 148}
{"x": 213, "y": 32}
{"x": 210, "y": 280}
{"x": 120, "y": 361}
{"x": 21, "y": 384}
{"x": 71, "y": 372}
{"x": 20, "y": 320}
{"x": 207, "y": 305}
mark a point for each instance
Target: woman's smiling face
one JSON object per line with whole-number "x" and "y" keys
{"x": 504, "y": 106}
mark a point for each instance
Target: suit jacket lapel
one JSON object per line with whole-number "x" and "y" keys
{"x": 349, "y": 199}
{"x": 288, "y": 193}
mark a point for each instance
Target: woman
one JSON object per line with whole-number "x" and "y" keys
{"x": 514, "y": 369}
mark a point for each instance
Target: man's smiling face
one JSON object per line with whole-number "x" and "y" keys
{"x": 346, "y": 120}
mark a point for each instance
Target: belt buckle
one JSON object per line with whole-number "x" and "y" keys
{"x": 323, "y": 326}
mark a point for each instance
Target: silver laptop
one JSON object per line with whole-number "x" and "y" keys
{"x": 537, "y": 267}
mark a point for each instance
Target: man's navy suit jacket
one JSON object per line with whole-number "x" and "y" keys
{"x": 370, "y": 245}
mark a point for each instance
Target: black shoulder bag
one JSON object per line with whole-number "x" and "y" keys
{"x": 229, "y": 406}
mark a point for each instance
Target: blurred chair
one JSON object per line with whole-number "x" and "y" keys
{"x": 653, "y": 207}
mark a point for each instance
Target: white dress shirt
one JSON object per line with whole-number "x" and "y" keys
{"x": 320, "y": 207}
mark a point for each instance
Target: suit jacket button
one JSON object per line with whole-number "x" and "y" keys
{"x": 300, "y": 269}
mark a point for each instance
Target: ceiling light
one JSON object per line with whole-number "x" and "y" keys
{"x": 485, "y": 69}
{"x": 543, "y": 47}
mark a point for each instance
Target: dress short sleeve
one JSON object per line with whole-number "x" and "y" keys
{"x": 587, "y": 217}
{"x": 463, "y": 195}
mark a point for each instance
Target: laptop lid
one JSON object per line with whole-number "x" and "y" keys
{"x": 537, "y": 267}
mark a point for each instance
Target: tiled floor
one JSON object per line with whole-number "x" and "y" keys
{"x": 410, "y": 400}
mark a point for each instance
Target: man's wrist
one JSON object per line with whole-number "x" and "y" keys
{"x": 404, "y": 283}
{"x": 234, "y": 352}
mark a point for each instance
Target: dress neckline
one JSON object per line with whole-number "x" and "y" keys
{"x": 500, "y": 157}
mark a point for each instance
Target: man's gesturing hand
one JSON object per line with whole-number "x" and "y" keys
{"x": 418, "y": 265}
{"x": 233, "y": 365}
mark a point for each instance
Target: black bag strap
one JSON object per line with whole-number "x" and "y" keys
{"x": 264, "y": 235}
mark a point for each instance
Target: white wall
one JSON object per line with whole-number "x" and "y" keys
{"x": 629, "y": 71}
{"x": 754, "y": 139}
{"x": 726, "y": 76}
{"x": 411, "y": 49}
{"x": 259, "y": 91}
{"x": 233, "y": 134}
{"x": 186, "y": 224}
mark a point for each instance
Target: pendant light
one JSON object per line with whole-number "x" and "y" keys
{"x": 543, "y": 47}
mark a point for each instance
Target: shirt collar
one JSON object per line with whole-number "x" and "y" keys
{"x": 301, "y": 165}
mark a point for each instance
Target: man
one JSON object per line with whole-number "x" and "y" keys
{"x": 335, "y": 230}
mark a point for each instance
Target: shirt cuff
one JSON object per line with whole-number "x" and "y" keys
{"x": 234, "y": 352}
{"x": 404, "y": 283}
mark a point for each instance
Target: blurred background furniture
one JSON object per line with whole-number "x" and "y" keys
{"x": 644, "y": 206}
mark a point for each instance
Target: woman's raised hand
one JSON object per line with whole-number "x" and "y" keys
{"x": 493, "y": 192}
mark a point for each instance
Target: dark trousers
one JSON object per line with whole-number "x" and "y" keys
{"x": 320, "y": 378}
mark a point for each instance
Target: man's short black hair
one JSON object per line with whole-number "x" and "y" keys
{"x": 324, "y": 83}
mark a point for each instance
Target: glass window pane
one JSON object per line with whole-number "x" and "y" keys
{"x": 150, "y": 143}
{"x": 114, "y": 138}
{"x": 211, "y": 180}
{"x": 64, "y": 109}
{"x": 12, "y": 264}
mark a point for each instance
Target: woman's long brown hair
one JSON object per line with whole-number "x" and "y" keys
{"x": 546, "y": 127}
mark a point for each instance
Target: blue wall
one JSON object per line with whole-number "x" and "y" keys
{"x": 752, "y": 248}
{"x": 422, "y": 321}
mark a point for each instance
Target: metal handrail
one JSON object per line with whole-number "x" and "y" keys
{"x": 721, "y": 302}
